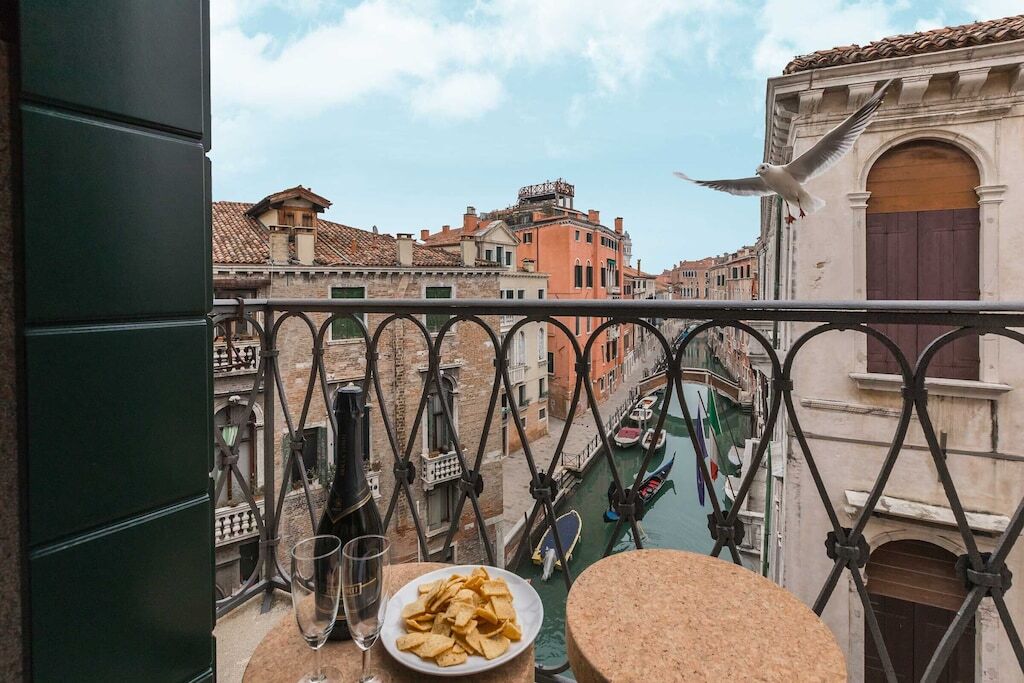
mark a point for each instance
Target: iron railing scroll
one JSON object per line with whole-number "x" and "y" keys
{"x": 984, "y": 574}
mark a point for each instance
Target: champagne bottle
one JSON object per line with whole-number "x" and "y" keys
{"x": 350, "y": 510}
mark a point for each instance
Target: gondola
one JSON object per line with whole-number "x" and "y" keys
{"x": 647, "y": 402}
{"x": 645, "y": 441}
{"x": 627, "y": 436}
{"x": 649, "y": 487}
{"x": 569, "y": 526}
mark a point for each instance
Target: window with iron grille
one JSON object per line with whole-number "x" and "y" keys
{"x": 434, "y": 321}
{"x": 345, "y": 327}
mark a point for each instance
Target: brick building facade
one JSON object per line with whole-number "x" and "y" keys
{"x": 262, "y": 250}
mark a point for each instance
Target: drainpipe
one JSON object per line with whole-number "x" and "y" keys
{"x": 778, "y": 256}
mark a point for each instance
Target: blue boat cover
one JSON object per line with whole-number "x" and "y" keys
{"x": 568, "y": 526}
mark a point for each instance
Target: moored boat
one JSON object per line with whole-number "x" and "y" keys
{"x": 650, "y": 485}
{"x": 645, "y": 441}
{"x": 569, "y": 526}
{"x": 647, "y": 402}
{"x": 627, "y": 436}
{"x": 640, "y": 415}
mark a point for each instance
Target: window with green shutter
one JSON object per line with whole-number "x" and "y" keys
{"x": 434, "y": 321}
{"x": 346, "y": 328}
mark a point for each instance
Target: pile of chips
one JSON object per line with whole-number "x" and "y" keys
{"x": 460, "y": 616}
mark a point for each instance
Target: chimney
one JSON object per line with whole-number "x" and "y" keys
{"x": 467, "y": 247}
{"x": 618, "y": 224}
{"x": 305, "y": 241}
{"x": 424, "y": 234}
{"x": 638, "y": 268}
{"x": 445, "y": 228}
{"x": 469, "y": 220}
{"x": 404, "y": 242}
{"x": 594, "y": 216}
{"x": 278, "y": 244}
{"x": 529, "y": 265}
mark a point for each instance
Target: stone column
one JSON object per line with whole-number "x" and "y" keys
{"x": 989, "y": 199}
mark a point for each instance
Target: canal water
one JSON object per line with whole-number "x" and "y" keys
{"x": 675, "y": 519}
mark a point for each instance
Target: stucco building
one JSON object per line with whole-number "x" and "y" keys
{"x": 927, "y": 205}
{"x": 281, "y": 247}
{"x": 583, "y": 260}
{"x": 690, "y": 279}
{"x": 492, "y": 243}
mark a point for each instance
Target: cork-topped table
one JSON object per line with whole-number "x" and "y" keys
{"x": 669, "y": 615}
{"x": 283, "y": 656}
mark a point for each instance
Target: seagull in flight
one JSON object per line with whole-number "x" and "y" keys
{"x": 788, "y": 181}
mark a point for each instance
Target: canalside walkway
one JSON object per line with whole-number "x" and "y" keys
{"x": 516, "y": 471}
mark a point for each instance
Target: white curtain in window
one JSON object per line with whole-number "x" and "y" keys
{"x": 541, "y": 340}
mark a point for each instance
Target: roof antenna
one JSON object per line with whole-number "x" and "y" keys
{"x": 375, "y": 230}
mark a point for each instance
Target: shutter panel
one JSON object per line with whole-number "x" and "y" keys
{"x": 891, "y": 274}
{"x": 949, "y": 269}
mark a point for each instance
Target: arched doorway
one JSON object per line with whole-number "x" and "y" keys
{"x": 922, "y": 242}
{"x": 915, "y": 594}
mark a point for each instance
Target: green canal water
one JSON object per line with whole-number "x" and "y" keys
{"x": 675, "y": 519}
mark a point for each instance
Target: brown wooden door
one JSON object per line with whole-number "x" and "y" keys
{"x": 912, "y": 632}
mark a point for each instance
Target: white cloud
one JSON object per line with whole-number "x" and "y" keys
{"x": 396, "y": 47}
{"x": 463, "y": 95}
{"x": 793, "y": 28}
{"x": 994, "y": 9}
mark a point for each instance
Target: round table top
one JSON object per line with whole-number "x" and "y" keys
{"x": 284, "y": 656}
{"x": 681, "y": 616}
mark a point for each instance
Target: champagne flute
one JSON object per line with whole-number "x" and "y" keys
{"x": 364, "y": 563}
{"x": 316, "y": 589}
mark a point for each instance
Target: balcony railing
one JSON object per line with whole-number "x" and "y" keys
{"x": 506, "y": 322}
{"x": 236, "y": 523}
{"x": 985, "y": 574}
{"x": 441, "y": 467}
{"x": 517, "y": 374}
{"x": 237, "y": 357}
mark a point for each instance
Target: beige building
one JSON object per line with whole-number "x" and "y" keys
{"x": 281, "y": 247}
{"x": 691, "y": 279}
{"x": 927, "y": 205}
{"x": 492, "y": 243}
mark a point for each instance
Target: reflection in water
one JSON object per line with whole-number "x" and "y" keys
{"x": 675, "y": 518}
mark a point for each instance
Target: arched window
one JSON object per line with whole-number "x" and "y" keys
{"x": 577, "y": 275}
{"x": 590, "y": 275}
{"x": 541, "y": 342}
{"x": 440, "y": 439}
{"x": 922, "y": 242}
{"x": 520, "y": 348}
{"x": 229, "y": 417}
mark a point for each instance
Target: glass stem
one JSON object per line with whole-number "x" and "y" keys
{"x": 366, "y": 659}
{"x": 319, "y": 665}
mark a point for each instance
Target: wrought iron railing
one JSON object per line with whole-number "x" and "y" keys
{"x": 985, "y": 574}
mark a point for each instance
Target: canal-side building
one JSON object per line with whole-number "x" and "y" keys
{"x": 583, "y": 259}
{"x": 691, "y": 279}
{"x": 281, "y": 246}
{"x": 492, "y": 243}
{"x": 733, "y": 277}
{"x": 927, "y": 205}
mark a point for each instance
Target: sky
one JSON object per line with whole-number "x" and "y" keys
{"x": 404, "y": 112}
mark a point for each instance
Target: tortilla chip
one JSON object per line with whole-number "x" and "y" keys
{"x": 414, "y": 609}
{"x": 434, "y": 645}
{"x": 451, "y": 658}
{"x": 487, "y": 615}
{"x": 495, "y": 646}
{"x": 492, "y": 588}
{"x": 502, "y": 608}
{"x": 427, "y": 587}
{"x": 410, "y": 640}
{"x": 473, "y": 639}
{"x": 511, "y": 631}
{"x": 415, "y": 626}
{"x": 441, "y": 625}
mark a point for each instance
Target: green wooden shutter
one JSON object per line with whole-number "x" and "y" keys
{"x": 434, "y": 321}
{"x": 115, "y": 204}
{"x": 346, "y": 328}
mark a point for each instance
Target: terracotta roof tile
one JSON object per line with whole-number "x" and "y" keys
{"x": 948, "y": 38}
{"x": 444, "y": 239}
{"x": 241, "y": 239}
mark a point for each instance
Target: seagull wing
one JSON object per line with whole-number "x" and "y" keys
{"x": 745, "y": 187}
{"x": 837, "y": 142}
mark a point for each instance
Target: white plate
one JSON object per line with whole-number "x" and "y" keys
{"x": 529, "y": 610}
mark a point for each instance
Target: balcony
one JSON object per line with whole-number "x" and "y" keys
{"x": 613, "y": 333}
{"x": 517, "y": 374}
{"x": 439, "y": 468}
{"x": 614, "y": 290}
{"x": 506, "y": 322}
{"x": 239, "y": 357}
{"x": 797, "y": 408}
{"x": 236, "y": 523}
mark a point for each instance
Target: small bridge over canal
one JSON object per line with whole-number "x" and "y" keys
{"x": 723, "y": 385}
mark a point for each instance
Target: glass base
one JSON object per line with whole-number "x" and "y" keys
{"x": 375, "y": 677}
{"x": 330, "y": 675}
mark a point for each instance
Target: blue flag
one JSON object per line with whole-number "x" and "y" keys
{"x": 700, "y": 455}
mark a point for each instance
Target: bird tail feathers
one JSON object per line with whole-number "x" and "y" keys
{"x": 810, "y": 204}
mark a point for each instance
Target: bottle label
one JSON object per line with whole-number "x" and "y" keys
{"x": 358, "y": 588}
{"x": 336, "y": 513}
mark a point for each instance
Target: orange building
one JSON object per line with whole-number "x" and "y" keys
{"x": 690, "y": 279}
{"x": 583, "y": 260}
